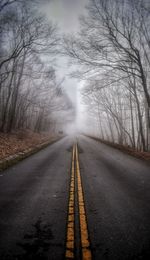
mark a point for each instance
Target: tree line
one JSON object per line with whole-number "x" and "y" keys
{"x": 30, "y": 93}
{"x": 112, "y": 50}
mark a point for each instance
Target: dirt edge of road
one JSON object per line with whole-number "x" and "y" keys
{"x": 140, "y": 155}
{"x": 13, "y": 159}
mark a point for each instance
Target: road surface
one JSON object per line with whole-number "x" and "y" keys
{"x": 72, "y": 201}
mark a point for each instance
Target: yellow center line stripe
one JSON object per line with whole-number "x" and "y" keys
{"x": 69, "y": 254}
{"x": 70, "y": 241}
{"x": 85, "y": 244}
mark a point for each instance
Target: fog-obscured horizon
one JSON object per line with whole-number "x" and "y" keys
{"x": 77, "y": 66}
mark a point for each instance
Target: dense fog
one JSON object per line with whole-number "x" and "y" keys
{"x": 76, "y": 66}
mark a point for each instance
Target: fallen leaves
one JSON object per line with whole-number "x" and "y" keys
{"x": 14, "y": 143}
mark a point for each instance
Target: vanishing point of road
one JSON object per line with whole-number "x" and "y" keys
{"x": 76, "y": 199}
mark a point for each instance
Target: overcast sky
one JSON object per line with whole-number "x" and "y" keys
{"x": 66, "y": 14}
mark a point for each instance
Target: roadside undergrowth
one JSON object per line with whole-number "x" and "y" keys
{"x": 14, "y": 143}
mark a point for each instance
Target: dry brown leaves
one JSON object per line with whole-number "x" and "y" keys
{"x": 14, "y": 143}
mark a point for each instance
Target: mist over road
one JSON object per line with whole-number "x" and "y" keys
{"x": 35, "y": 196}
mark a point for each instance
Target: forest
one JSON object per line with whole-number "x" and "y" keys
{"x": 31, "y": 95}
{"x": 110, "y": 55}
{"x": 112, "y": 51}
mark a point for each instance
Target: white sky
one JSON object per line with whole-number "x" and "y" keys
{"x": 66, "y": 14}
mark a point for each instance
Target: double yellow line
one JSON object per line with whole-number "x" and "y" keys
{"x": 71, "y": 221}
{"x": 70, "y": 243}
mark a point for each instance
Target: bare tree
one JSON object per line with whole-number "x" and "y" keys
{"x": 29, "y": 91}
{"x": 113, "y": 46}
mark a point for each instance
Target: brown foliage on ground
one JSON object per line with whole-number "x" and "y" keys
{"x": 20, "y": 141}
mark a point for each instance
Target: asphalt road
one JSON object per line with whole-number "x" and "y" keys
{"x": 34, "y": 197}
